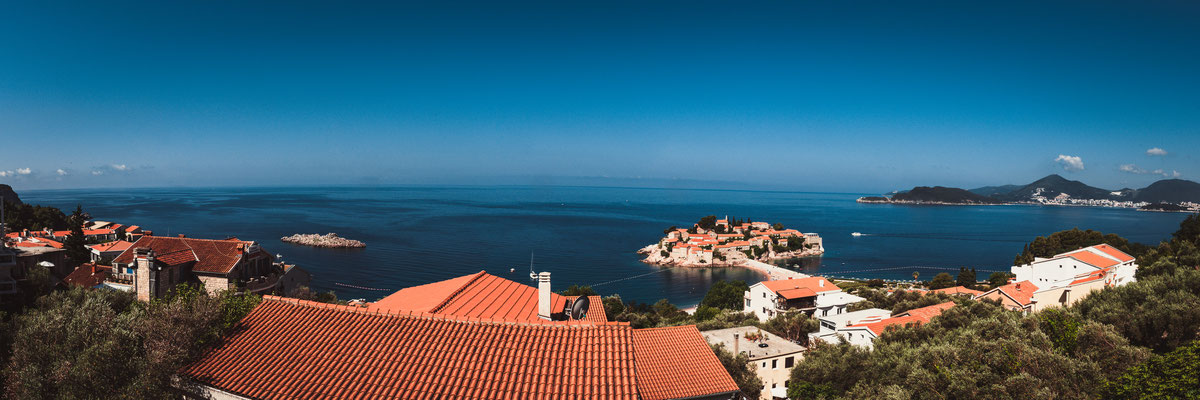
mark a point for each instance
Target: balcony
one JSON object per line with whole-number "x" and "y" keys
{"x": 261, "y": 284}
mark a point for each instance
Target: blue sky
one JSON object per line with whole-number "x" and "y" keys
{"x": 864, "y": 97}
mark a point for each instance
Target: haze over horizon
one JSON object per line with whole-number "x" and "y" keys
{"x": 796, "y": 96}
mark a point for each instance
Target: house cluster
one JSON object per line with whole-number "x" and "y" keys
{"x": 476, "y": 336}
{"x": 698, "y": 246}
{"x": 1064, "y": 279}
{"x": 815, "y": 296}
{"x": 128, "y": 258}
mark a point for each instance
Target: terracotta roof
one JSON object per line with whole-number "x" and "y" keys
{"x": 1092, "y": 259}
{"x": 676, "y": 362}
{"x": 51, "y": 243}
{"x": 813, "y": 284}
{"x": 106, "y": 231}
{"x": 958, "y": 290}
{"x": 480, "y": 295}
{"x": 1091, "y": 276}
{"x": 915, "y": 316}
{"x": 1021, "y": 292}
{"x": 797, "y": 293}
{"x": 119, "y": 245}
{"x": 1113, "y": 252}
{"x": 88, "y": 275}
{"x": 290, "y": 349}
{"x": 216, "y": 256}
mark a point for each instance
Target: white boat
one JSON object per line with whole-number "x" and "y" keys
{"x": 855, "y": 234}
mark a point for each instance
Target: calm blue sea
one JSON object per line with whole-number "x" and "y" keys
{"x": 585, "y": 235}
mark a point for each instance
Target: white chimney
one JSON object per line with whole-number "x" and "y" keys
{"x": 544, "y": 295}
{"x": 820, "y": 283}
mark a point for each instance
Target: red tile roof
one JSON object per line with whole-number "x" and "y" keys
{"x": 118, "y": 245}
{"x": 1091, "y": 276}
{"x": 958, "y": 290}
{"x": 676, "y": 362}
{"x": 915, "y": 316}
{"x": 88, "y": 275}
{"x": 1111, "y": 251}
{"x": 1021, "y": 292}
{"x": 216, "y": 256}
{"x": 292, "y": 349}
{"x": 480, "y": 295}
{"x": 813, "y": 284}
{"x": 1092, "y": 259}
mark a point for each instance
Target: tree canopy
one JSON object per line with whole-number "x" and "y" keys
{"x": 726, "y": 295}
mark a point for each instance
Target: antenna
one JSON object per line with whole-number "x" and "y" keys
{"x": 532, "y": 275}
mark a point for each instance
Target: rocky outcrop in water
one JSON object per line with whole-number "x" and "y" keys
{"x": 330, "y": 240}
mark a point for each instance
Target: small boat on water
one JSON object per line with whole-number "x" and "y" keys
{"x": 855, "y": 234}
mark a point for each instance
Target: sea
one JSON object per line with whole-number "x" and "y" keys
{"x": 586, "y": 235}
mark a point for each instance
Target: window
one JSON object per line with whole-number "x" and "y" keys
{"x": 788, "y": 363}
{"x": 773, "y": 385}
{"x": 764, "y": 364}
{"x": 774, "y": 365}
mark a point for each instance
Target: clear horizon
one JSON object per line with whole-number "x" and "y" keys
{"x": 765, "y": 96}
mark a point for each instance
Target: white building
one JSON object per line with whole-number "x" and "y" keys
{"x": 814, "y": 295}
{"x": 864, "y": 333}
{"x": 831, "y": 324}
{"x": 1066, "y": 267}
{"x": 772, "y": 356}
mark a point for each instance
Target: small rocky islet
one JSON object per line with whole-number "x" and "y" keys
{"x": 329, "y": 240}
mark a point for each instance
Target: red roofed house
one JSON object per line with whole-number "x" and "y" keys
{"x": 486, "y": 296}
{"x": 1046, "y": 272}
{"x": 958, "y": 291}
{"x": 153, "y": 265}
{"x": 290, "y": 349}
{"x": 1016, "y": 296}
{"x": 813, "y": 295}
{"x": 864, "y": 334}
{"x": 104, "y": 253}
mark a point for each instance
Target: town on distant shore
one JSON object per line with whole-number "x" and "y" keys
{"x": 713, "y": 242}
{"x": 1165, "y": 195}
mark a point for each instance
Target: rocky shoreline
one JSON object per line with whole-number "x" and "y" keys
{"x": 735, "y": 259}
{"x": 329, "y": 240}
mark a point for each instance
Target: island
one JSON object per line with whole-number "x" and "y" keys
{"x": 713, "y": 242}
{"x": 329, "y": 240}
{"x": 1055, "y": 190}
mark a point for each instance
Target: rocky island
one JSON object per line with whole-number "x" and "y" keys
{"x": 713, "y": 242}
{"x": 1054, "y": 190}
{"x": 329, "y": 240}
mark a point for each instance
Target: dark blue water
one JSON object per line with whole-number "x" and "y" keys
{"x": 585, "y": 235}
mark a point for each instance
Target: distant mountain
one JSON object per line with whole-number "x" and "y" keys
{"x": 994, "y": 190}
{"x": 1169, "y": 191}
{"x": 1054, "y": 185}
{"x": 940, "y": 194}
{"x": 7, "y": 193}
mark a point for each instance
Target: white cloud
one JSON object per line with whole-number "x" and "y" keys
{"x": 24, "y": 171}
{"x": 97, "y": 172}
{"x": 1134, "y": 169}
{"x": 119, "y": 167}
{"x": 61, "y": 172}
{"x": 1070, "y": 163}
{"x": 1155, "y": 151}
{"x": 6, "y": 173}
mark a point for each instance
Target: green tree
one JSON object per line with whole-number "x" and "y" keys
{"x": 1064, "y": 241}
{"x": 1175, "y": 375}
{"x": 75, "y": 243}
{"x": 727, "y": 295}
{"x": 741, "y": 370}
{"x": 576, "y": 290}
{"x": 941, "y": 281}
{"x": 613, "y": 306}
{"x": 707, "y": 223}
{"x": 669, "y": 230}
{"x": 1161, "y": 312}
{"x": 998, "y": 279}
{"x": 792, "y": 326}
{"x": 777, "y": 226}
{"x": 966, "y": 277}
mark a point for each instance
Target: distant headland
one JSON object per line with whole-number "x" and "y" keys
{"x": 713, "y": 242}
{"x": 1164, "y": 195}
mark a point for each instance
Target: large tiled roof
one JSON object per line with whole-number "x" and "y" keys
{"x": 217, "y": 256}
{"x": 289, "y": 349}
{"x": 116, "y": 245}
{"x": 1021, "y": 292}
{"x": 88, "y": 275}
{"x": 915, "y": 316}
{"x": 1113, "y": 252}
{"x": 803, "y": 287}
{"x": 1092, "y": 259}
{"x": 676, "y": 363}
{"x": 480, "y": 295}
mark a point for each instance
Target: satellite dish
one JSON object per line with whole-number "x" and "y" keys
{"x": 580, "y": 308}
